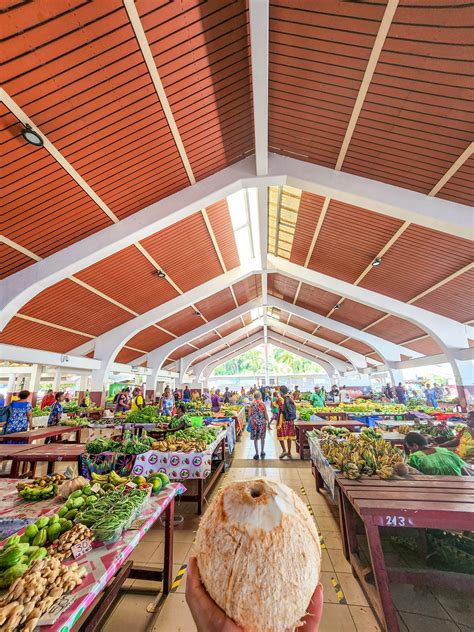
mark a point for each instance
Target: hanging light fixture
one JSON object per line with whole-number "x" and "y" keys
{"x": 31, "y": 136}
{"x": 160, "y": 274}
{"x": 377, "y": 262}
{"x": 196, "y": 313}
{"x": 337, "y": 306}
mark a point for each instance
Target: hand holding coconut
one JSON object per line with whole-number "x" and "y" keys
{"x": 259, "y": 557}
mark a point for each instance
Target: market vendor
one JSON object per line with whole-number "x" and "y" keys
{"x": 57, "y": 410}
{"x": 464, "y": 440}
{"x": 137, "y": 399}
{"x": 21, "y": 417}
{"x": 48, "y": 399}
{"x": 430, "y": 460}
{"x": 122, "y": 404}
{"x": 317, "y": 398}
{"x": 167, "y": 402}
{"x": 216, "y": 401}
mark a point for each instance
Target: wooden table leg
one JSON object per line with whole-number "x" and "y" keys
{"x": 168, "y": 558}
{"x": 50, "y": 468}
{"x": 302, "y": 437}
{"x": 381, "y": 576}
{"x": 200, "y": 495}
{"x": 347, "y": 518}
{"x": 14, "y": 469}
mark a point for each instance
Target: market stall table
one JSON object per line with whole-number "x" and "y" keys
{"x": 418, "y": 501}
{"x": 185, "y": 466}
{"x": 302, "y": 427}
{"x": 7, "y": 453}
{"x": 106, "y": 564}
{"x": 49, "y": 453}
{"x": 41, "y": 433}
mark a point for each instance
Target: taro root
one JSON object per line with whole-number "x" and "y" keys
{"x": 259, "y": 555}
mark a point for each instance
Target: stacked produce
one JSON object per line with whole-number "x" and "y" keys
{"x": 62, "y": 548}
{"x": 335, "y": 430}
{"x": 147, "y": 415}
{"x": 364, "y": 453}
{"x": 230, "y": 409}
{"x": 113, "y": 513}
{"x": 40, "y": 488}
{"x": 187, "y": 440}
{"x": 38, "y": 412}
{"x": 128, "y": 445}
{"x": 36, "y": 592}
{"x": 440, "y": 432}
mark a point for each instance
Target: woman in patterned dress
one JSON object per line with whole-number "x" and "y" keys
{"x": 21, "y": 417}
{"x": 258, "y": 420}
{"x": 56, "y": 410}
{"x": 167, "y": 402}
{"x": 285, "y": 426}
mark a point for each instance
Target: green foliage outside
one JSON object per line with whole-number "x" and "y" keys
{"x": 280, "y": 362}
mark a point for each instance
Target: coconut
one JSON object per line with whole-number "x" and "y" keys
{"x": 259, "y": 555}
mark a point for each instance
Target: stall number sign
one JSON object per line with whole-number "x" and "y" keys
{"x": 395, "y": 521}
{"x": 56, "y": 610}
{"x": 81, "y": 548}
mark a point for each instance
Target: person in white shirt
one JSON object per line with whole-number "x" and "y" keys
{"x": 344, "y": 396}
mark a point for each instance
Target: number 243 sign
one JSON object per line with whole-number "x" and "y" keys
{"x": 395, "y": 521}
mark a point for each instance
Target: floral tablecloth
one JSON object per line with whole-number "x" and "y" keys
{"x": 179, "y": 466}
{"x": 327, "y": 471}
{"x": 105, "y": 560}
{"x": 12, "y": 504}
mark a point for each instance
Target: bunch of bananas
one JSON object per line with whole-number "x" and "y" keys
{"x": 404, "y": 429}
{"x": 180, "y": 445}
{"x": 359, "y": 454}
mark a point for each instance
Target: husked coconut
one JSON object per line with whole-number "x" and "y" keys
{"x": 259, "y": 555}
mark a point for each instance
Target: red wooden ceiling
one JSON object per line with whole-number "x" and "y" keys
{"x": 308, "y": 214}
{"x": 282, "y": 287}
{"x": 149, "y": 339}
{"x": 248, "y": 289}
{"x": 460, "y": 187}
{"x": 30, "y": 334}
{"x": 219, "y": 217}
{"x": 216, "y": 305}
{"x": 454, "y": 299}
{"x": 12, "y": 260}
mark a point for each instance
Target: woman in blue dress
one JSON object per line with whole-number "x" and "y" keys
{"x": 167, "y": 402}
{"x": 21, "y": 417}
{"x": 56, "y": 410}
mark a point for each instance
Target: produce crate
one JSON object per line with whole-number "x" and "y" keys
{"x": 105, "y": 462}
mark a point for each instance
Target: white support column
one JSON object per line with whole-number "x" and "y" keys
{"x": 35, "y": 378}
{"x": 10, "y": 388}
{"x": 57, "y": 380}
{"x": 82, "y": 386}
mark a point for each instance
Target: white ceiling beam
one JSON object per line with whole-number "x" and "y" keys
{"x": 259, "y": 38}
{"x": 358, "y": 360}
{"x": 449, "y": 333}
{"x": 17, "y": 289}
{"x": 386, "y": 349}
{"x": 229, "y": 339}
{"x": 157, "y": 356}
{"x": 109, "y": 344}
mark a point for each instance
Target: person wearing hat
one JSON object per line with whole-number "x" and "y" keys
{"x": 286, "y": 422}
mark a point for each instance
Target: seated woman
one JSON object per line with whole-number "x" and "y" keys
{"x": 429, "y": 460}
{"x": 464, "y": 440}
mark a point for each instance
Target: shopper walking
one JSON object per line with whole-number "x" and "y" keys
{"x": 344, "y": 396}
{"x": 167, "y": 402}
{"x": 286, "y": 422}
{"x": 57, "y": 410}
{"x": 430, "y": 396}
{"x": 21, "y": 417}
{"x": 317, "y": 398}
{"x": 227, "y": 395}
{"x": 401, "y": 392}
{"x": 257, "y": 422}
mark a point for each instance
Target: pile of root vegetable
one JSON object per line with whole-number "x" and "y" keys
{"x": 365, "y": 453}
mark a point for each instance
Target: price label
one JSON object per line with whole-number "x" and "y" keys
{"x": 56, "y": 610}
{"x": 138, "y": 524}
{"x": 95, "y": 488}
{"x": 81, "y": 548}
{"x": 130, "y": 485}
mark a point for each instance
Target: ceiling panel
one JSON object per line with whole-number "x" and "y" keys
{"x": 68, "y": 304}
{"x": 129, "y": 278}
{"x": 221, "y": 223}
{"x": 419, "y": 259}
{"x": 181, "y": 322}
{"x": 396, "y": 330}
{"x": 356, "y": 314}
{"x": 317, "y": 300}
{"x": 358, "y": 346}
{"x": 185, "y": 252}
{"x": 149, "y": 339}
{"x": 11, "y": 260}
{"x": 460, "y": 187}
{"x": 427, "y": 346}
{"x": 181, "y": 352}
{"x": 202, "y": 54}
{"x": 308, "y": 215}
{"x": 454, "y": 299}
{"x": 229, "y": 328}
{"x": 248, "y": 289}
{"x": 302, "y": 323}
{"x": 330, "y": 335}
{"x": 282, "y": 287}
{"x": 350, "y": 239}
{"x": 415, "y": 121}
{"x": 26, "y": 333}
{"x": 127, "y": 355}
{"x": 318, "y": 55}
{"x": 205, "y": 340}
{"x": 216, "y": 305}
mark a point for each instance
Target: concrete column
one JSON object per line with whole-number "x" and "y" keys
{"x": 464, "y": 377}
{"x": 57, "y": 380}
{"x": 10, "y": 388}
{"x": 97, "y": 392}
{"x": 82, "y": 387}
{"x": 35, "y": 378}
{"x": 396, "y": 376}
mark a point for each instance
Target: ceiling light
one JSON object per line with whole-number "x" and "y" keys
{"x": 377, "y": 262}
{"x": 31, "y": 136}
{"x": 337, "y": 306}
{"x": 160, "y": 274}
{"x": 196, "y": 313}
